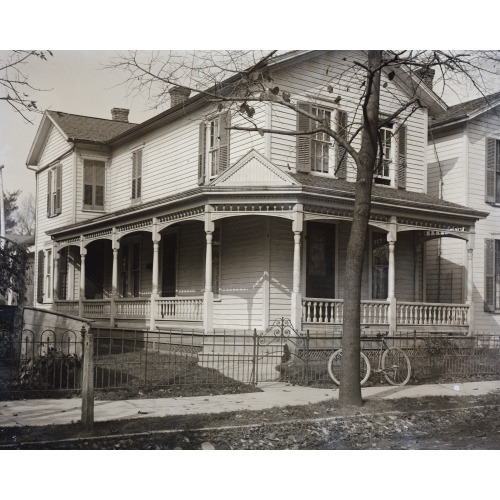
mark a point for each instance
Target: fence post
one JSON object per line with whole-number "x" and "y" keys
{"x": 88, "y": 379}
{"x": 307, "y": 357}
{"x": 254, "y": 357}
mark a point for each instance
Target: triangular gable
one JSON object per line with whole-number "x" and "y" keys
{"x": 46, "y": 126}
{"x": 254, "y": 170}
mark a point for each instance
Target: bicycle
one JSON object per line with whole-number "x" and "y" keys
{"x": 393, "y": 364}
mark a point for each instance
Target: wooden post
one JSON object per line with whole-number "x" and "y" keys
{"x": 470, "y": 279}
{"x": 391, "y": 298}
{"x": 296, "y": 297}
{"x": 87, "y": 379}
{"x": 208, "y": 295}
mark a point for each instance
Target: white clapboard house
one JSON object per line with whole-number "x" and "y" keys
{"x": 181, "y": 222}
{"x": 464, "y": 167}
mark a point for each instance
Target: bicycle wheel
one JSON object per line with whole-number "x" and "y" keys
{"x": 396, "y": 366}
{"x": 334, "y": 364}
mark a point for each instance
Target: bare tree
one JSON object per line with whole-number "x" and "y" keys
{"x": 26, "y": 216}
{"x": 244, "y": 80}
{"x": 14, "y": 80}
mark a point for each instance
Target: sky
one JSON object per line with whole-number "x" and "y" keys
{"x": 74, "y": 81}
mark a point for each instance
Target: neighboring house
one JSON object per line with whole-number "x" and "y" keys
{"x": 464, "y": 167}
{"x": 180, "y": 222}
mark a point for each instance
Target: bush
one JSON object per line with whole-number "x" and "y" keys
{"x": 55, "y": 370}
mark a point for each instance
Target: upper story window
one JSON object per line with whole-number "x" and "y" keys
{"x": 492, "y": 275}
{"x": 492, "y": 170}
{"x": 391, "y": 158}
{"x": 93, "y": 184}
{"x": 136, "y": 175}
{"x": 213, "y": 151}
{"x": 54, "y": 191}
{"x": 319, "y": 152}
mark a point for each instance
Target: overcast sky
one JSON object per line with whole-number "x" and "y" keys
{"x": 75, "y": 82}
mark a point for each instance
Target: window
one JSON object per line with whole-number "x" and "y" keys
{"x": 40, "y": 276}
{"x": 54, "y": 191}
{"x": 131, "y": 269}
{"x": 48, "y": 274}
{"x": 320, "y": 261}
{"x": 213, "y": 154}
{"x": 391, "y": 171}
{"x": 492, "y": 170}
{"x": 492, "y": 275}
{"x": 216, "y": 262}
{"x": 319, "y": 152}
{"x": 93, "y": 184}
{"x": 63, "y": 274}
{"x": 169, "y": 265}
{"x": 380, "y": 266}
{"x": 136, "y": 175}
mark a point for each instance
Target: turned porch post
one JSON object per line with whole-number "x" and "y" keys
{"x": 391, "y": 288}
{"x": 115, "y": 245}
{"x": 156, "y": 267}
{"x": 55, "y": 280}
{"x": 83, "y": 253}
{"x": 470, "y": 278}
{"x": 208, "y": 296}
{"x": 296, "y": 299}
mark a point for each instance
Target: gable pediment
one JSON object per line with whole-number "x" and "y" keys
{"x": 254, "y": 170}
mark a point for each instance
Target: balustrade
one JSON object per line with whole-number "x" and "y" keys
{"x": 410, "y": 313}
{"x": 186, "y": 309}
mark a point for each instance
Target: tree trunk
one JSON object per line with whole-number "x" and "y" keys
{"x": 350, "y": 388}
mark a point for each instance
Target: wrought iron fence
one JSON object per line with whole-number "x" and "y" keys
{"x": 40, "y": 363}
{"x": 50, "y": 363}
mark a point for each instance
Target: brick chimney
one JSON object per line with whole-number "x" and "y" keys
{"x": 178, "y": 95}
{"x": 426, "y": 75}
{"x": 120, "y": 114}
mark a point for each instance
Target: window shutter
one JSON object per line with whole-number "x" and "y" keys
{"x": 58, "y": 201}
{"x": 402, "y": 160}
{"x": 40, "y": 276}
{"x": 341, "y": 164}
{"x": 202, "y": 152}
{"x": 491, "y": 150}
{"x": 49, "y": 192}
{"x": 304, "y": 141}
{"x": 63, "y": 274}
{"x": 137, "y": 174}
{"x": 489, "y": 275}
{"x": 224, "y": 134}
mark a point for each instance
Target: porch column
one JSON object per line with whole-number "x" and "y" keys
{"x": 208, "y": 296}
{"x": 115, "y": 245}
{"x": 83, "y": 253}
{"x": 156, "y": 267}
{"x": 470, "y": 278}
{"x": 391, "y": 288}
{"x": 296, "y": 299}
{"x": 55, "y": 279}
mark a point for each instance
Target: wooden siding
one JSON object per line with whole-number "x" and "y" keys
{"x": 486, "y": 125}
{"x": 242, "y": 274}
{"x": 309, "y": 80}
{"x": 280, "y": 268}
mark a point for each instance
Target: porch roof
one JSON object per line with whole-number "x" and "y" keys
{"x": 310, "y": 187}
{"x": 382, "y": 195}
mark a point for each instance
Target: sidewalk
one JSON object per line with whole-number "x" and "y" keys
{"x": 275, "y": 394}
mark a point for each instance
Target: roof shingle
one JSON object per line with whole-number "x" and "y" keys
{"x": 87, "y": 128}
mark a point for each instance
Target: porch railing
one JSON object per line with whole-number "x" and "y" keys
{"x": 331, "y": 311}
{"x": 412, "y": 313}
{"x": 67, "y": 307}
{"x": 97, "y": 308}
{"x": 180, "y": 308}
{"x": 133, "y": 308}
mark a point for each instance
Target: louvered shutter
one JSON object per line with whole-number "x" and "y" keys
{"x": 202, "y": 146}
{"x": 63, "y": 274}
{"x": 136, "y": 174}
{"x": 304, "y": 141}
{"x": 58, "y": 196}
{"x": 341, "y": 163}
{"x": 491, "y": 159}
{"x": 489, "y": 275}
{"x": 49, "y": 193}
{"x": 402, "y": 157}
{"x": 224, "y": 134}
{"x": 40, "y": 276}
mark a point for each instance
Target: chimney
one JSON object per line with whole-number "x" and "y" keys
{"x": 426, "y": 75}
{"x": 178, "y": 95}
{"x": 120, "y": 114}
